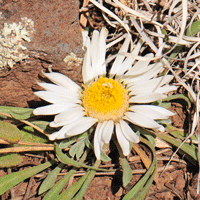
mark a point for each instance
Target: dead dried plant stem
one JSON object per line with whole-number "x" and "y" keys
{"x": 111, "y": 14}
{"x": 26, "y": 143}
{"x": 27, "y": 149}
{"x": 137, "y": 171}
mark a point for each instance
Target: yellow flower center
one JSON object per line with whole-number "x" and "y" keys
{"x": 105, "y": 99}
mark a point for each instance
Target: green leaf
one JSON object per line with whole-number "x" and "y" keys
{"x": 164, "y": 121}
{"x": 188, "y": 150}
{"x": 176, "y": 51}
{"x": 57, "y": 188}
{"x": 66, "y": 160}
{"x": 165, "y": 105}
{"x": 10, "y": 160}
{"x": 71, "y": 191}
{"x": 29, "y": 134}
{"x": 194, "y": 29}
{"x": 68, "y": 141}
{"x": 9, "y": 132}
{"x": 43, "y": 125}
{"x": 50, "y": 179}
{"x": 139, "y": 191}
{"x": 87, "y": 182}
{"x": 105, "y": 157}
{"x": 88, "y": 143}
{"x": 77, "y": 149}
{"x": 127, "y": 171}
{"x": 142, "y": 193}
{"x": 13, "y": 179}
{"x": 151, "y": 139}
{"x": 54, "y": 192}
{"x": 179, "y": 96}
{"x": 177, "y": 133}
{"x": 17, "y": 112}
{"x": 21, "y": 114}
{"x": 165, "y": 33}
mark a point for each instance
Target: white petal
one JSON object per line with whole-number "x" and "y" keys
{"x": 151, "y": 111}
{"x": 165, "y": 89}
{"x": 151, "y": 72}
{"x": 140, "y": 66}
{"x": 61, "y": 133}
{"x": 51, "y": 109}
{"x": 59, "y": 90}
{"x": 147, "y": 98}
{"x": 81, "y": 126}
{"x": 128, "y": 132}
{"x": 123, "y": 142}
{"x": 62, "y": 80}
{"x": 84, "y": 36}
{"x": 102, "y": 51}
{"x": 107, "y": 131}
{"x": 52, "y": 97}
{"x": 101, "y": 131}
{"x": 54, "y": 136}
{"x": 94, "y": 53}
{"x": 69, "y": 114}
{"x": 162, "y": 128}
{"x": 119, "y": 59}
{"x": 141, "y": 120}
{"x": 129, "y": 60}
{"x": 149, "y": 85}
{"x": 67, "y": 117}
{"x": 97, "y": 142}
{"x": 87, "y": 68}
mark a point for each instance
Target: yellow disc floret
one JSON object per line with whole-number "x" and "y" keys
{"x": 105, "y": 99}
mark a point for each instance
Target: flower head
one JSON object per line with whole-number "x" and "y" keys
{"x": 111, "y": 101}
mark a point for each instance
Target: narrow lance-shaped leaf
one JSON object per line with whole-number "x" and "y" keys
{"x": 50, "y": 179}
{"x": 87, "y": 182}
{"x": 54, "y": 192}
{"x": 13, "y": 179}
{"x": 139, "y": 191}
{"x": 71, "y": 191}
{"x": 127, "y": 171}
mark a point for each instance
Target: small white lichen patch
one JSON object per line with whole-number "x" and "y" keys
{"x": 72, "y": 59}
{"x": 11, "y": 38}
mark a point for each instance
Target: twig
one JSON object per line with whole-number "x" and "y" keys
{"x": 27, "y": 149}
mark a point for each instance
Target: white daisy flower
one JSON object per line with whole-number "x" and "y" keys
{"x": 111, "y": 101}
